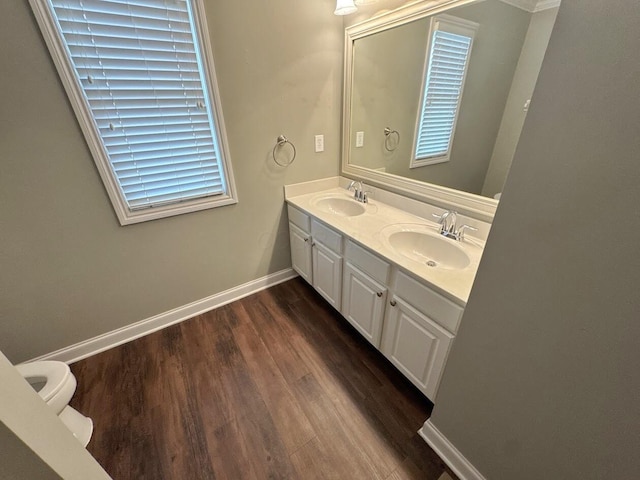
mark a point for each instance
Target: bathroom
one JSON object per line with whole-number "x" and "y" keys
{"x": 547, "y": 351}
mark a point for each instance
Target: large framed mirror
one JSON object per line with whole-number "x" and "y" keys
{"x": 436, "y": 94}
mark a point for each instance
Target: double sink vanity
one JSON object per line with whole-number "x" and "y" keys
{"x": 388, "y": 270}
{"x": 400, "y": 275}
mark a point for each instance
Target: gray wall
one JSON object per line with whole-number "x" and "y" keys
{"x": 69, "y": 271}
{"x": 543, "y": 380}
{"x": 524, "y": 81}
{"x": 387, "y": 79}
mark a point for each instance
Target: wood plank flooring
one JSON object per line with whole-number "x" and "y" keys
{"x": 274, "y": 386}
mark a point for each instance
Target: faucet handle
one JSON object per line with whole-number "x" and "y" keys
{"x": 463, "y": 228}
{"x": 441, "y": 218}
{"x": 447, "y": 219}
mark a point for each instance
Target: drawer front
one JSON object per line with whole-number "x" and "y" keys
{"x": 369, "y": 263}
{"x": 430, "y": 303}
{"x": 329, "y": 238}
{"x": 299, "y": 219}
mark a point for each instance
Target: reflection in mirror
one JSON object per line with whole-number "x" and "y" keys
{"x": 390, "y": 71}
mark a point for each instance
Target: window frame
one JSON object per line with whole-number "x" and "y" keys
{"x": 126, "y": 216}
{"x": 454, "y": 25}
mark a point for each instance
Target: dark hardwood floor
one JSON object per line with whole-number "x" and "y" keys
{"x": 276, "y": 385}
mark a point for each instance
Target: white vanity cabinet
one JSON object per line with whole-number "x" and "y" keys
{"x": 415, "y": 339}
{"x": 364, "y": 291}
{"x": 316, "y": 254}
{"x": 409, "y": 322}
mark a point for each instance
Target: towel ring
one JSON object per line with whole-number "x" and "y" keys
{"x": 280, "y": 142}
{"x": 387, "y": 134}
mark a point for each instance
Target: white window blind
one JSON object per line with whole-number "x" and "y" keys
{"x": 139, "y": 66}
{"x": 447, "y": 61}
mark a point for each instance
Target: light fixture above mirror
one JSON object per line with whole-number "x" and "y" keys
{"x": 346, "y": 7}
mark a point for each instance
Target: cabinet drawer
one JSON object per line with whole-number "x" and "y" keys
{"x": 326, "y": 236}
{"x": 299, "y": 219}
{"x": 430, "y": 303}
{"x": 369, "y": 263}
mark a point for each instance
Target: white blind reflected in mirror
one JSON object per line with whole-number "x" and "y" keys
{"x": 447, "y": 61}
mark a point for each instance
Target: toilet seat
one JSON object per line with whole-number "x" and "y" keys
{"x": 60, "y": 383}
{"x": 59, "y": 386}
{"x": 55, "y": 374}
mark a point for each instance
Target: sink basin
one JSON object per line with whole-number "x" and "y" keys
{"x": 343, "y": 207}
{"x": 424, "y": 245}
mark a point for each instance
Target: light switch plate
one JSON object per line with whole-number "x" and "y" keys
{"x": 359, "y": 139}
{"x": 319, "y": 143}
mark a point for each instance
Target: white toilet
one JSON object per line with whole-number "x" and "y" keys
{"x": 55, "y": 383}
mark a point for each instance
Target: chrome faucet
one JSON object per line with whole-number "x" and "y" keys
{"x": 448, "y": 225}
{"x": 359, "y": 194}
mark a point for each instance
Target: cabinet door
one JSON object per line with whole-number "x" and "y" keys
{"x": 416, "y": 345}
{"x": 327, "y": 273}
{"x": 363, "y": 301}
{"x": 300, "y": 251}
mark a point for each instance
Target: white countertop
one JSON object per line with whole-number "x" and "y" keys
{"x": 366, "y": 229}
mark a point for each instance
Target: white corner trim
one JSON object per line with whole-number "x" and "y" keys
{"x": 449, "y": 453}
{"x": 108, "y": 340}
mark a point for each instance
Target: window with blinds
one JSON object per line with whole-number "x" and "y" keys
{"x": 449, "y": 50}
{"x": 140, "y": 76}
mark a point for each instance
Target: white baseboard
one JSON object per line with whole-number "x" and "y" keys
{"x": 108, "y": 340}
{"x": 449, "y": 453}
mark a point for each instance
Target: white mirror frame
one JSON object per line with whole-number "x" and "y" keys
{"x": 470, "y": 204}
